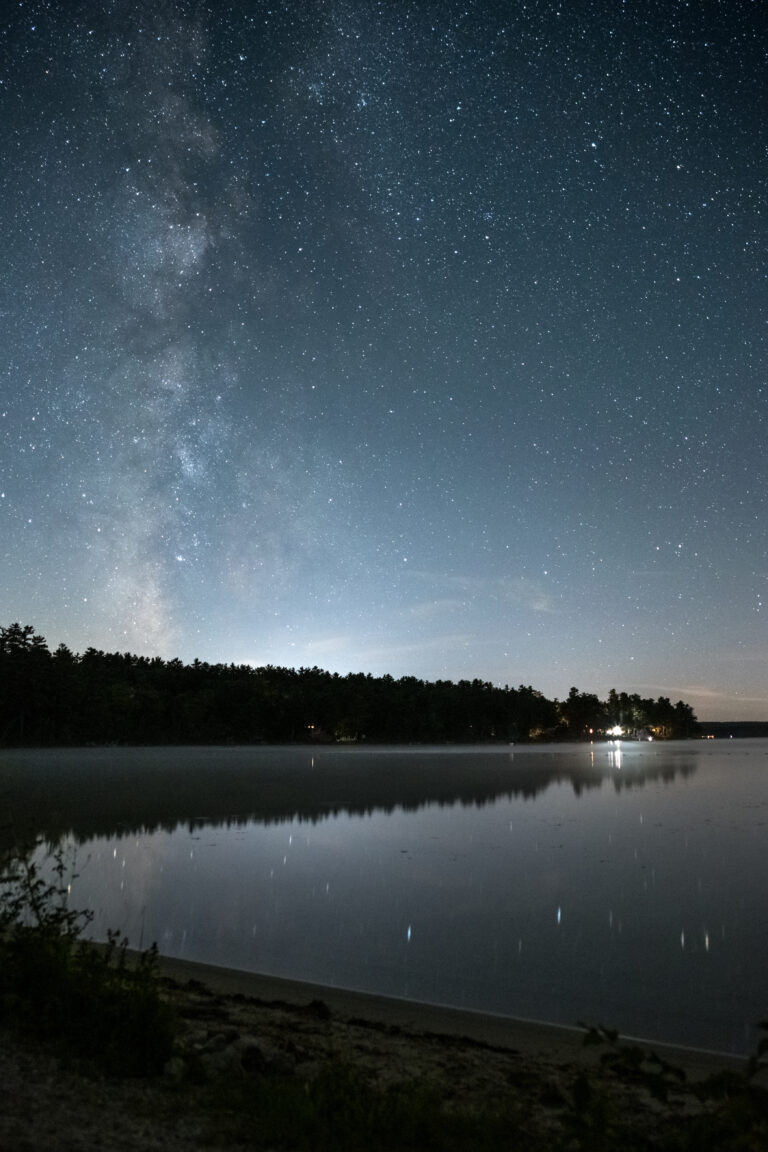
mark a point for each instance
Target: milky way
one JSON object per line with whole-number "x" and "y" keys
{"x": 419, "y": 338}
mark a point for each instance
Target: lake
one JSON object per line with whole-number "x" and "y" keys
{"x": 621, "y": 884}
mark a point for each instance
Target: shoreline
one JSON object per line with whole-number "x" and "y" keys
{"x": 531, "y": 1039}
{"x": 261, "y": 1062}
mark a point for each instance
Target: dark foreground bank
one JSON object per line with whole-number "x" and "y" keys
{"x": 262, "y": 1063}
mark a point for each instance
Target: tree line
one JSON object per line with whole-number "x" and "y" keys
{"x": 64, "y": 698}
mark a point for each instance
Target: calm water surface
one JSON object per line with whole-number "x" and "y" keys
{"x": 620, "y": 884}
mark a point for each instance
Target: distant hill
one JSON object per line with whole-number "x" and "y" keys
{"x": 738, "y": 729}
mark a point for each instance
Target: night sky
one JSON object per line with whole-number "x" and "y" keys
{"x": 413, "y": 338}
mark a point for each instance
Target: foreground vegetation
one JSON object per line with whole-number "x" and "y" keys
{"x": 629, "y": 1102}
{"x": 216, "y": 1077}
{"x": 63, "y": 698}
{"x": 55, "y": 986}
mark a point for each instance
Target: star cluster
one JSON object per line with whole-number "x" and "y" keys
{"x": 420, "y": 338}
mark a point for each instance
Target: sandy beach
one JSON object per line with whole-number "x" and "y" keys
{"x": 534, "y": 1040}
{"x": 242, "y": 1034}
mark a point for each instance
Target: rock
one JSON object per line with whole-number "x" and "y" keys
{"x": 246, "y": 1055}
{"x": 174, "y": 1069}
{"x": 259, "y": 1057}
{"x": 319, "y": 1009}
{"x": 222, "y": 1062}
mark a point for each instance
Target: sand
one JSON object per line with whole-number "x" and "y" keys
{"x": 235, "y": 1026}
{"x": 535, "y": 1040}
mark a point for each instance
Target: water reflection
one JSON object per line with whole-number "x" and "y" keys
{"x": 620, "y": 884}
{"x": 120, "y": 791}
{"x": 614, "y": 755}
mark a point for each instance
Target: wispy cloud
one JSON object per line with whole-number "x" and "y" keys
{"x": 429, "y": 609}
{"x": 354, "y": 651}
{"x": 703, "y": 691}
{"x": 521, "y": 591}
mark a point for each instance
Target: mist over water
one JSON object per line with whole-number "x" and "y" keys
{"x": 617, "y": 884}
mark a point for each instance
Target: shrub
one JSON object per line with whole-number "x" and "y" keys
{"x": 97, "y": 1001}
